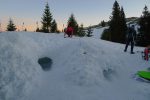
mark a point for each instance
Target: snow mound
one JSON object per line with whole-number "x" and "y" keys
{"x": 85, "y": 70}
{"x": 18, "y": 70}
{"x": 97, "y": 32}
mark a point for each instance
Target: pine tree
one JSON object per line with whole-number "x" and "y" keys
{"x": 117, "y": 24}
{"x": 146, "y": 13}
{"x": 38, "y": 30}
{"x": 73, "y": 23}
{"x": 46, "y": 19}
{"x": 89, "y": 32}
{"x": 103, "y": 24}
{"x": 54, "y": 26}
{"x": 25, "y": 29}
{"x": 11, "y": 26}
{"x": 144, "y": 30}
{"x": 81, "y": 32}
{"x": 123, "y": 26}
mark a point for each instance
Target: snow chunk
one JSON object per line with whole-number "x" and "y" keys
{"x": 18, "y": 68}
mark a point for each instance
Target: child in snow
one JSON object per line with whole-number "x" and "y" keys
{"x": 68, "y": 31}
{"x": 131, "y": 36}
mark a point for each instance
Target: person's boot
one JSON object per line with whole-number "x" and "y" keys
{"x": 132, "y": 45}
{"x": 125, "y": 50}
{"x": 132, "y": 52}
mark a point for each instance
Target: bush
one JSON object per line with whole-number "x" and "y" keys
{"x": 106, "y": 35}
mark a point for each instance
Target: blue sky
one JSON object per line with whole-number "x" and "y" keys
{"x": 88, "y": 12}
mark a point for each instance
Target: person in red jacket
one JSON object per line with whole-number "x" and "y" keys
{"x": 69, "y": 31}
{"x": 146, "y": 53}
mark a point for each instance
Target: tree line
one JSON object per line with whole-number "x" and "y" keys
{"x": 49, "y": 25}
{"x": 117, "y": 26}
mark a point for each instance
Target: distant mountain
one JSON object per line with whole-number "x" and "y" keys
{"x": 129, "y": 20}
{"x": 132, "y": 20}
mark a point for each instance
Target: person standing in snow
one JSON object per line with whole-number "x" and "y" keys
{"x": 130, "y": 38}
{"x": 68, "y": 31}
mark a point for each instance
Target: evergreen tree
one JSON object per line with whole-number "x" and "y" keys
{"x": 115, "y": 23}
{"x": 103, "y": 24}
{"x": 118, "y": 26}
{"x": 54, "y": 27}
{"x": 81, "y": 32}
{"x": 106, "y": 35}
{"x": 89, "y": 32}
{"x": 145, "y": 12}
{"x": 46, "y": 19}
{"x": 123, "y": 26}
{"x": 11, "y": 26}
{"x": 144, "y": 30}
{"x": 25, "y": 29}
{"x": 38, "y": 30}
{"x": 73, "y": 23}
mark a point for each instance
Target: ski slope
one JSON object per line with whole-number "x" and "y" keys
{"x": 83, "y": 68}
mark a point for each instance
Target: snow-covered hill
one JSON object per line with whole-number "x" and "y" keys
{"x": 83, "y": 68}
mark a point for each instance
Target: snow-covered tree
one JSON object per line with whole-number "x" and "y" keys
{"x": 11, "y": 26}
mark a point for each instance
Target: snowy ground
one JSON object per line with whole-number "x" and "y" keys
{"x": 83, "y": 68}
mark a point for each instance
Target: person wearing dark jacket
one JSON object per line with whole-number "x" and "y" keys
{"x": 130, "y": 38}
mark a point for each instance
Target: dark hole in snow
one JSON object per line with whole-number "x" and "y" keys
{"x": 85, "y": 52}
{"x": 46, "y": 63}
{"x": 107, "y": 73}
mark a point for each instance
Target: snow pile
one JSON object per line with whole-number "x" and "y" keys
{"x": 86, "y": 70}
{"x": 83, "y": 68}
{"x": 90, "y": 68}
{"x": 18, "y": 66}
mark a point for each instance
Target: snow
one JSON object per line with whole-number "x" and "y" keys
{"x": 83, "y": 68}
{"x": 17, "y": 67}
{"x": 97, "y": 32}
